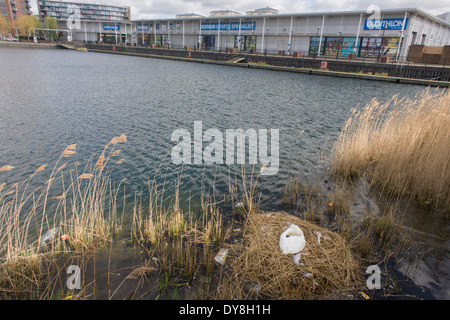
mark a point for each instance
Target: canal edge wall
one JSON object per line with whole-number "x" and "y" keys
{"x": 28, "y": 45}
{"x": 423, "y": 82}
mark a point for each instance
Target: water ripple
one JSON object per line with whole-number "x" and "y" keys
{"x": 52, "y": 98}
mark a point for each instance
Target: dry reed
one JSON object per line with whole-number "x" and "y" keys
{"x": 83, "y": 212}
{"x": 403, "y": 144}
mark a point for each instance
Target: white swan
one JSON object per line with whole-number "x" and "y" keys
{"x": 292, "y": 240}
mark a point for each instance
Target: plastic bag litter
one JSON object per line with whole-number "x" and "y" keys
{"x": 319, "y": 235}
{"x": 296, "y": 258}
{"x": 49, "y": 236}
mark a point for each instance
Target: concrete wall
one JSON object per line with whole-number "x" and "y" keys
{"x": 437, "y": 74}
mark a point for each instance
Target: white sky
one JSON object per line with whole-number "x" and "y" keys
{"x": 148, "y": 9}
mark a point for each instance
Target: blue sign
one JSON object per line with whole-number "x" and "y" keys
{"x": 141, "y": 27}
{"x": 214, "y": 26}
{"x": 386, "y": 24}
{"x": 111, "y": 27}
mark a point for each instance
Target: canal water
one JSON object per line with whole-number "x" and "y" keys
{"x": 52, "y": 98}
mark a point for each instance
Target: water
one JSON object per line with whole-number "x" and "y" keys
{"x": 52, "y": 98}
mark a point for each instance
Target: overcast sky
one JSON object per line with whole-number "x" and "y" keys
{"x": 142, "y": 9}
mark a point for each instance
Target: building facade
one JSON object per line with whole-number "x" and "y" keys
{"x": 188, "y": 15}
{"x": 262, "y": 11}
{"x": 64, "y": 10}
{"x": 224, "y": 13}
{"x": 336, "y": 34}
{"x": 13, "y": 9}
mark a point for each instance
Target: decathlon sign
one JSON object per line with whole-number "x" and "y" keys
{"x": 386, "y": 24}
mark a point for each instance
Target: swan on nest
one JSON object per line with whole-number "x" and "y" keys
{"x": 292, "y": 240}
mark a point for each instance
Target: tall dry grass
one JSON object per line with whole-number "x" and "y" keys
{"x": 403, "y": 144}
{"x": 77, "y": 205}
{"x": 181, "y": 244}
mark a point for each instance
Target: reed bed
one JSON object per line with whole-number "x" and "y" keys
{"x": 79, "y": 206}
{"x": 72, "y": 211}
{"x": 328, "y": 268}
{"x": 180, "y": 245}
{"x": 403, "y": 145}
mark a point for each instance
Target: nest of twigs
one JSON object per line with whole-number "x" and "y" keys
{"x": 327, "y": 270}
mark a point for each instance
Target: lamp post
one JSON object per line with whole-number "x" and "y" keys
{"x": 290, "y": 42}
{"x": 290, "y": 36}
{"x": 318, "y": 40}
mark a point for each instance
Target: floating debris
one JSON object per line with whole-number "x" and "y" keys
{"x": 6, "y": 168}
{"x": 221, "y": 256}
{"x": 203, "y": 279}
{"x": 49, "y": 236}
{"x": 319, "y": 235}
{"x": 254, "y": 286}
{"x": 365, "y": 296}
{"x": 296, "y": 258}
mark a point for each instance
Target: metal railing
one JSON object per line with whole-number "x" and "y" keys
{"x": 381, "y": 59}
{"x": 363, "y": 65}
